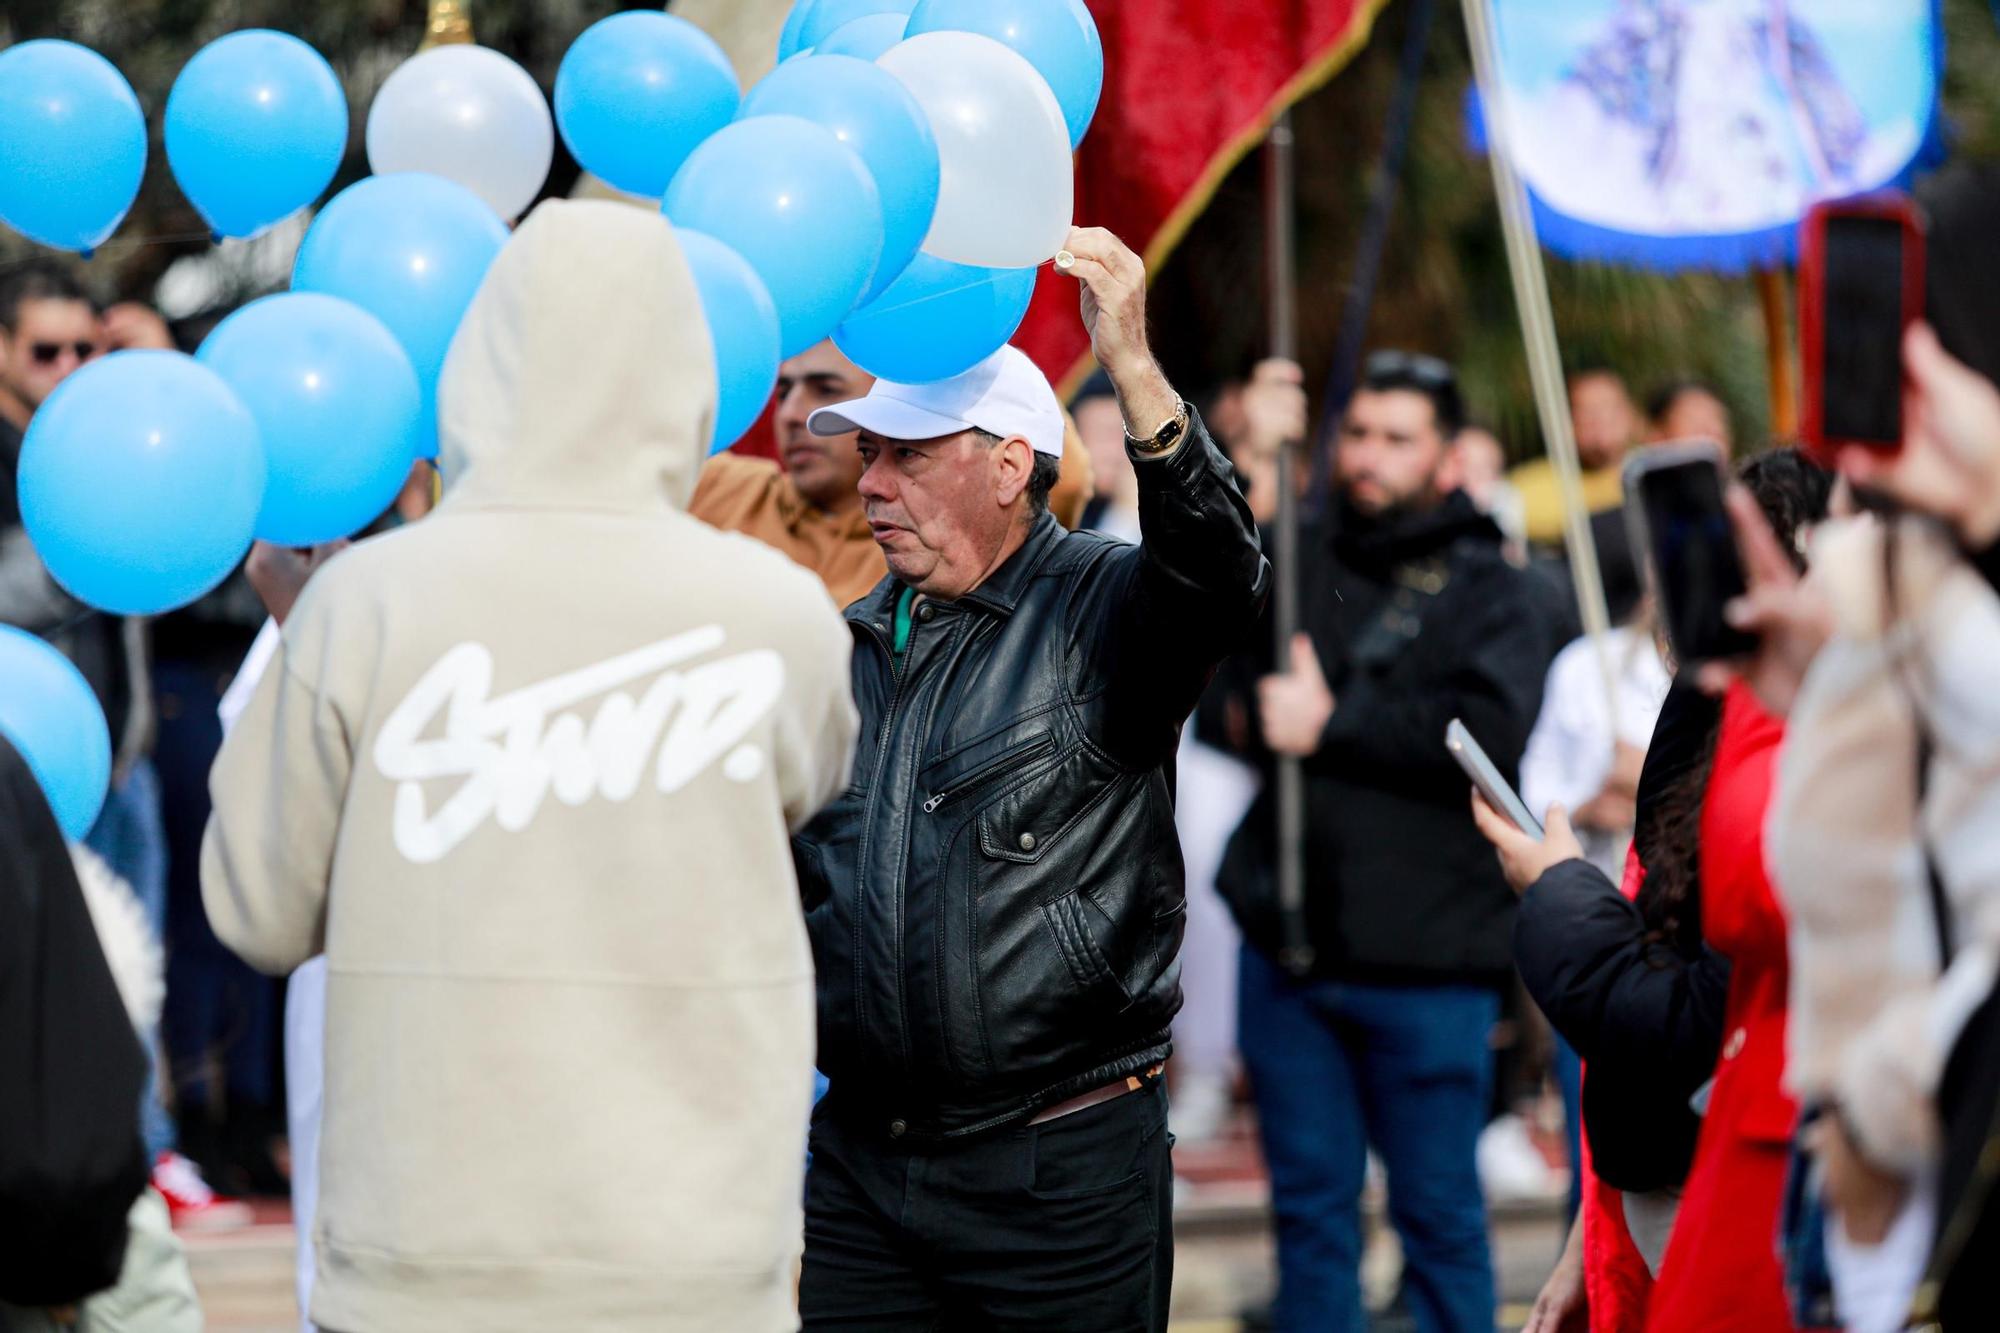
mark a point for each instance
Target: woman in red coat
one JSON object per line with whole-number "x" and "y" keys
{"x": 1721, "y": 1270}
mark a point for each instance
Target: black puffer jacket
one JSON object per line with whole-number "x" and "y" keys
{"x": 1642, "y": 1005}
{"x": 1646, "y": 1019}
{"x": 1416, "y": 621}
{"x": 996, "y": 900}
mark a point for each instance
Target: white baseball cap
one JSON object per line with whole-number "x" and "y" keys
{"x": 1004, "y": 395}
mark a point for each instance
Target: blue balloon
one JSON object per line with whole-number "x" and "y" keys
{"x": 790, "y": 198}
{"x": 140, "y": 481}
{"x": 50, "y": 713}
{"x": 1058, "y": 37}
{"x": 788, "y": 36}
{"x": 411, "y": 250}
{"x": 72, "y": 144}
{"x": 865, "y": 38}
{"x": 828, "y": 16}
{"x": 637, "y": 92}
{"x": 938, "y": 320}
{"x": 336, "y": 402}
{"x": 871, "y": 112}
{"x": 742, "y": 325}
{"x": 256, "y": 126}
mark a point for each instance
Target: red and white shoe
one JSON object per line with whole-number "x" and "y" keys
{"x": 191, "y": 1203}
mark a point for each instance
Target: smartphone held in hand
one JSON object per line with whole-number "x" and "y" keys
{"x": 1673, "y": 501}
{"x": 1861, "y": 286}
{"x": 1499, "y": 792}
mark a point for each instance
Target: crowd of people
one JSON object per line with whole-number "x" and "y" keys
{"x": 585, "y": 828}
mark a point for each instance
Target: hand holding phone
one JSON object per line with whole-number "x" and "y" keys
{"x": 1789, "y": 615}
{"x": 1673, "y": 501}
{"x": 1486, "y": 777}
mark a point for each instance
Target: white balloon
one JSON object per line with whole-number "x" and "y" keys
{"x": 1007, "y": 189}
{"x": 471, "y": 115}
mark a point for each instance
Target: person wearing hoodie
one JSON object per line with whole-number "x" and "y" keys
{"x": 1410, "y": 617}
{"x": 523, "y": 772}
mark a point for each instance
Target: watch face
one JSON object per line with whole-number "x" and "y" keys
{"x": 1165, "y": 437}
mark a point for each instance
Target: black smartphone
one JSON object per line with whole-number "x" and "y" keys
{"x": 1861, "y": 285}
{"x": 1673, "y": 500}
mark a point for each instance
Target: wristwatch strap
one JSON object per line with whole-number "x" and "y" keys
{"x": 1166, "y": 437}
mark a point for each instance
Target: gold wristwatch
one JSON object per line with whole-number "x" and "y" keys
{"x": 1166, "y": 437}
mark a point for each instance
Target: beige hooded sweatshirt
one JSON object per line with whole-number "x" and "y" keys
{"x": 525, "y": 771}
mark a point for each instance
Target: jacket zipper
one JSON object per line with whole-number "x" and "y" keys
{"x": 991, "y": 769}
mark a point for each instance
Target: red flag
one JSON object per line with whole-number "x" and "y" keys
{"x": 1190, "y": 86}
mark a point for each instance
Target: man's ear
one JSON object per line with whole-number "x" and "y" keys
{"x": 1450, "y": 470}
{"x": 1014, "y": 465}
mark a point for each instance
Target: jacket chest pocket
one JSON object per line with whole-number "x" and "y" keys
{"x": 1051, "y": 905}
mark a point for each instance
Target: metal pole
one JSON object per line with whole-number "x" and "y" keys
{"x": 1387, "y": 181}
{"x": 1280, "y": 247}
{"x": 1538, "y": 332}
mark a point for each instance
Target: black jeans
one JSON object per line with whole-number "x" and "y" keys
{"x": 1066, "y": 1225}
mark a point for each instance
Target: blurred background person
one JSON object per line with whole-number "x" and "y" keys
{"x": 1410, "y": 617}
{"x": 1608, "y": 426}
{"x": 1113, "y": 508}
{"x": 1688, "y": 409}
{"x": 1214, "y": 789}
{"x": 49, "y": 327}
{"x": 1482, "y": 464}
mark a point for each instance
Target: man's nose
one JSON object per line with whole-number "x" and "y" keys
{"x": 875, "y": 483}
{"x": 792, "y": 406}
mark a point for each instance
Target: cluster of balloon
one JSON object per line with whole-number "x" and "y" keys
{"x": 893, "y": 183}
{"x": 144, "y": 477}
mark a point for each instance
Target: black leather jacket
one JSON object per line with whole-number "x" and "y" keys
{"x": 996, "y": 901}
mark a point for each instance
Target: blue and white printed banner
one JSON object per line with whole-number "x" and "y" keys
{"x": 1677, "y": 133}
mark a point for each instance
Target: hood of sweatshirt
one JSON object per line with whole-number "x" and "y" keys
{"x": 582, "y": 375}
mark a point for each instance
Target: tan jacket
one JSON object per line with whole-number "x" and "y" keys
{"x": 1871, "y": 1020}
{"x": 753, "y": 496}
{"x": 526, "y": 771}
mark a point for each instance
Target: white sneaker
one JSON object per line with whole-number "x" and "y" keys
{"x": 1512, "y": 1168}
{"x": 1199, "y": 1107}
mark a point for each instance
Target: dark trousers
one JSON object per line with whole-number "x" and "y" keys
{"x": 1065, "y": 1225}
{"x": 217, "y": 1005}
{"x": 1334, "y": 1067}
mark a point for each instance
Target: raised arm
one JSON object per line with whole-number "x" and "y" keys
{"x": 1193, "y": 590}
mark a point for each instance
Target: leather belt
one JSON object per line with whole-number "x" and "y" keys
{"x": 1083, "y": 1101}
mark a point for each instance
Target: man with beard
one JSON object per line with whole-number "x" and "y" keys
{"x": 1410, "y": 616}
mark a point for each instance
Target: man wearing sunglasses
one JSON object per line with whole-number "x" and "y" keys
{"x": 1410, "y": 616}
{"x": 49, "y": 327}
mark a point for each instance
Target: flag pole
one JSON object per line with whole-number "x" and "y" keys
{"x": 1778, "y": 354}
{"x": 1280, "y": 249}
{"x": 1538, "y": 333}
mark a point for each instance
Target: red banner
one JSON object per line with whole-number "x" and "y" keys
{"x": 1190, "y": 86}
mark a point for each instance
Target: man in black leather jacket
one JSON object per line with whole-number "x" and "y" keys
{"x": 996, "y": 901}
